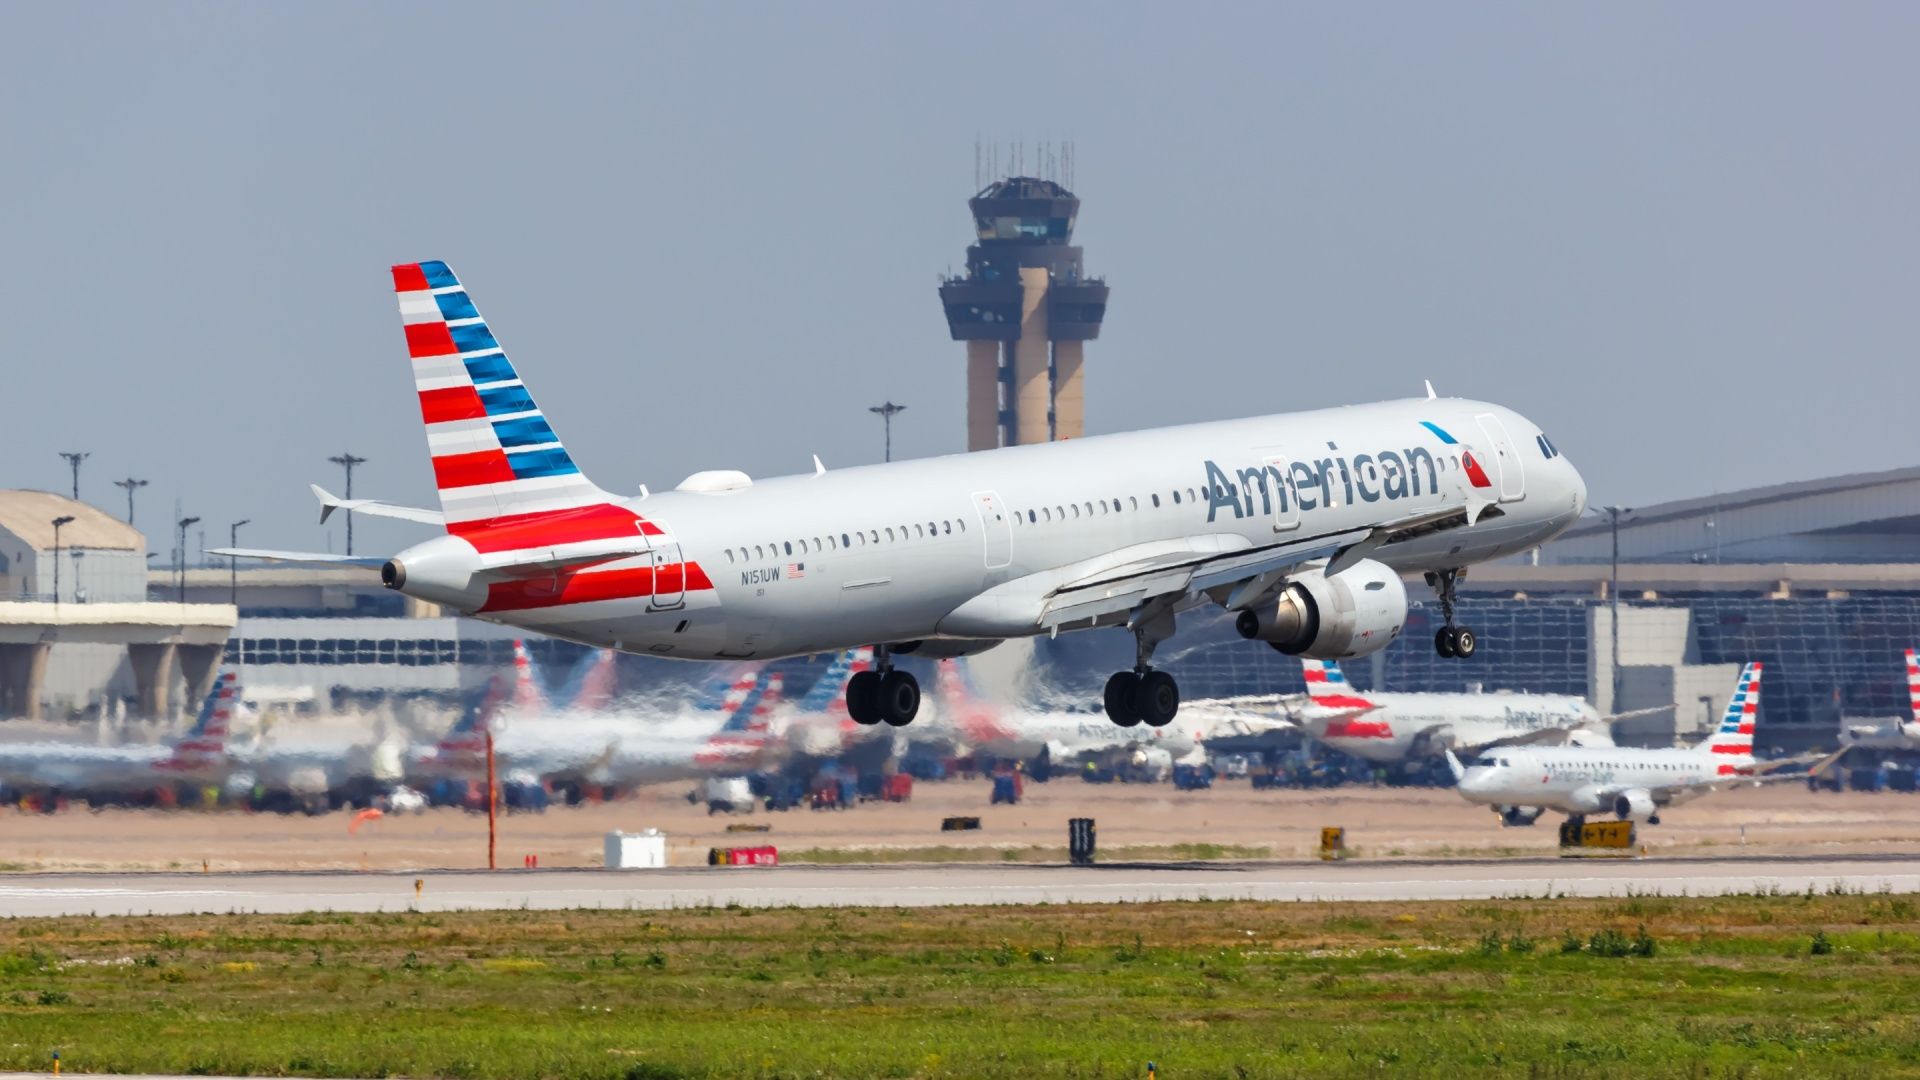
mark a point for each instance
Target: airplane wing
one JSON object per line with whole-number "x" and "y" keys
{"x": 1631, "y": 714}
{"x": 330, "y": 502}
{"x": 313, "y": 558}
{"x": 1553, "y": 736}
{"x": 1182, "y": 570}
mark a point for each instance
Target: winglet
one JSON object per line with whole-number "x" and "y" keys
{"x": 1430, "y": 394}
{"x": 818, "y": 469}
{"x": 1453, "y": 765}
{"x": 328, "y": 504}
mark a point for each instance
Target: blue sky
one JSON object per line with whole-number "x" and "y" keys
{"x": 1679, "y": 236}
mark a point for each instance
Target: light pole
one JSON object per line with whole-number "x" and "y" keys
{"x": 347, "y": 461}
{"x": 63, "y": 519}
{"x": 887, "y": 412}
{"x": 131, "y": 485}
{"x": 74, "y": 458}
{"x": 233, "y": 563}
{"x": 1614, "y": 514}
{"x": 180, "y": 566}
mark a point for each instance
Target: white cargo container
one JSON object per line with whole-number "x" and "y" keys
{"x": 636, "y": 851}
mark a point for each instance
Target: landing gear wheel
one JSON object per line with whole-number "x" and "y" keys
{"x": 1463, "y": 642}
{"x": 1120, "y": 698}
{"x": 1443, "y": 642}
{"x": 899, "y": 698}
{"x": 863, "y": 697}
{"x": 1157, "y": 699}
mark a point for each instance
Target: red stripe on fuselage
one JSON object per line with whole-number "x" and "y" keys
{"x": 466, "y": 470}
{"x": 1732, "y": 748}
{"x": 551, "y": 527}
{"x": 1358, "y": 729}
{"x": 1474, "y": 472}
{"x": 451, "y": 403}
{"x": 586, "y": 588}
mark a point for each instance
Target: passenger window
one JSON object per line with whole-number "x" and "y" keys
{"x": 759, "y": 552}
{"x": 963, "y": 524}
{"x": 874, "y": 534}
{"x": 918, "y": 533}
{"x": 1133, "y": 503}
{"x": 845, "y": 541}
{"x": 948, "y": 528}
{"x": 1089, "y": 509}
{"x": 1029, "y": 517}
{"x": 789, "y": 547}
{"x": 1176, "y": 498}
{"x": 816, "y": 545}
{"x": 1060, "y": 512}
{"x": 889, "y": 534}
{"x": 1156, "y": 500}
{"x": 1076, "y": 511}
{"x": 729, "y": 554}
{"x": 1192, "y": 495}
{"x": 932, "y": 529}
{"x": 1046, "y": 514}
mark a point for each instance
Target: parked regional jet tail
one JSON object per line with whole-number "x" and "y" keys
{"x": 468, "y": 735}
{"x": 589, "y": 687}
{"x": 744, "y": 737}
{"x": 1327, "y": 685}
{"x": 528, "y": 699}
{"x": 827, "y": 697}
{"x": 1732, "y": 744}
{"x": 1913, "y": 683}
{"x": 205, "y": 743}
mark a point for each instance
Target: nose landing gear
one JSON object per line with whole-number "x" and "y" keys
{"x": 883, "y": 694}
{"x": 1450, "y": 640}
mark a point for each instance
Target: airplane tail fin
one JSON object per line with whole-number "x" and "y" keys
{"x": 589, "y": 687}
{"x": 468, "y": 735}
{"x": 207, "y": 738}
{"x": 1327, "y": 686}
{"x": 828, "y": 695}
{"x": 528, "y": 699}
{"x": 1731, "y": 745}
{"x": 494, "y": 454}
{"x": 1913, "y": 683}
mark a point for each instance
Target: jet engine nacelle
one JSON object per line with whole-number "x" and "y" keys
{"x": 1356, "y": 612}
{"x": 1635, "y": 805}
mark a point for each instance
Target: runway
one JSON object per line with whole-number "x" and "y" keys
{"x": 937, "y": 885}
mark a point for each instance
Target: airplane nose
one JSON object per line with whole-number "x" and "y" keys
{"x": 1579, "y": 489}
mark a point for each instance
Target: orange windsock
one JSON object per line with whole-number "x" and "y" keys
{"x": 361, "y": 818}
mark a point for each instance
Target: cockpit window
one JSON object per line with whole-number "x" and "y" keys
{"x": 1487, "y": 759}
{"x": 1547, "y": 449}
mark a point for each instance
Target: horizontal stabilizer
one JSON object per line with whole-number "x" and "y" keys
{"x": 330, "y": 502}
{"x": 523, "y": 563}
{"x": 314, "y": 558}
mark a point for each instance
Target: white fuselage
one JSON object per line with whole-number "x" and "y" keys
{"x": 1587, "y": 780}
{"x": 1404, "y": 726}
{"x": 970, "y": 545}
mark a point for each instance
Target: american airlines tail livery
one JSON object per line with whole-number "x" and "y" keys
{"x": 1302, "y": 522}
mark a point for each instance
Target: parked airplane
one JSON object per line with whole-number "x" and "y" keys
{"x": 1893, "y": 733}
{"x": 1634, "y": 784}
{"x": 1301, "y": 522}
{"x": 109, "y": 773}
{"x": 1397, "y": 727}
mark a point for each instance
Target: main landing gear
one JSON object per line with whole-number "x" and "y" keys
{"x": 883, "y": 694}
{"x": 1450, "y": 640}
{"x": 1144, "y": 695}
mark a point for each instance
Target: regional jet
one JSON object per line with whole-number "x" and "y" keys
{"x": 1521, "y": 782}
{"x": 1301, "y": 522}
{"x": 1893, "y": 733}
{"x": 109, "y": 773}
{"x": 1397, "y": 727}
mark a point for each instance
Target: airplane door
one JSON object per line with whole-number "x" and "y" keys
{"x": 994, "y": 528}
{"x": 1286, "y": 504}
{"x": 1512, "y": 480}
{"x": 669, "y": 574}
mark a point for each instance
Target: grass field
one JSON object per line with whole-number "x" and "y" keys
{"x": 1637, "y": 987}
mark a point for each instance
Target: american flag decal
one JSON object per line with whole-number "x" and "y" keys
{"x": 796, "y": 570}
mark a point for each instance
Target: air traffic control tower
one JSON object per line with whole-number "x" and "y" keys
{"x": 1025, "y": 310}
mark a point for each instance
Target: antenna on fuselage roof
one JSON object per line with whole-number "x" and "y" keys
{"x": 1430, "y": 394}
{"x": 644, "y": 493}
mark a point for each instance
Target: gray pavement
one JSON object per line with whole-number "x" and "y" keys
{"x": 926, "y": 886}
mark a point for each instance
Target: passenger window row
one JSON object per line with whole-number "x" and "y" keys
{"x": 846, "y": 541}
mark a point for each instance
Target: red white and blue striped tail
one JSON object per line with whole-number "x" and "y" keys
{"x": 206, "y": 742}
{"x": 494, "y": 454}
{"x": 1327, "y": 685}
{"x": 1732, "y": 744}
{"x": 1913, "y": 682}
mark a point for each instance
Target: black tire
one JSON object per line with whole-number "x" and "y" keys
{"x": 1157, "y": 699}
{"x": 1463, "y": 642}
{"x": 1443, "y": 642}
{"x": 863, "y": 697}
{"x": 899, "y": 698}
{"x": 1120, "y": 689}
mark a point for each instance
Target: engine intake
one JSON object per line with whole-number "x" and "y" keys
{"x": 1635, "y": 805}
{"x": 1356, "y": 612}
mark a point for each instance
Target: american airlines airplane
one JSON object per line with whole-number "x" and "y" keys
{"x": 1397, "y": 727}
{"x": 1301, "y": 522}
{"x": 103, "y": 773}
{"x": 1633, "y": 784}
{"x": 1893, "y": 733}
